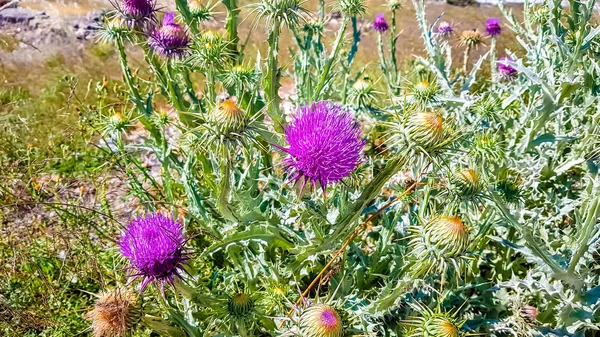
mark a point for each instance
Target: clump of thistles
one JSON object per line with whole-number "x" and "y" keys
{"x": 170, "y": 39}
{"x": 445, "y": 29}
{"x": 492, "y": 27}
{"x": 154, "y": 244}
{"x": 115, "y": 314}
{"x": 380, "y": 24}
{"x": 321, "y": 320}
{"x": 325, "y": 144}
{"x": 506, "y": 71}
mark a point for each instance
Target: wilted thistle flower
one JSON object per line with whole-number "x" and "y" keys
{"x": 170, "y": 39}
{"x": 321, "y": 320}
{"x": 228, "y": 116}
{"x": 115, "y": 314}
{"x": 466, "y": 184}
{"x": 154, "y": 244}
{"x": 137, "y": 13}
{"x": 529, "y": 313}
{"x": 325, "y": 144}
{"x": 471, "y": 38}
{"x": 445, "y": 29}
{"x": 492, "y": 27}
{"x": 506, "y": 71}
{"x": 426, "y": 129}
{"x": 380, "y": 24}
{"x": 351, "y": 8}
{"x": 240, "y": 305}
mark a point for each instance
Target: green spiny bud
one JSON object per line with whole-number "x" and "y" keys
{"x": 395, "y": 4}
{"x": 540, "y": 15}
{"x": 426, "y": 129}
{"x": 351, "y": 8}
{"x": 320, "y": 320}
{"x": 448, "y": 234}
{"x": 424, "y": 91}
{"x": 228, "y": 116}
{"x": 486, "y": 146}
{"x": 466, "y": 183}
{"x": 508, "y": 184}
{"x": 439, "y": 326}
{"x": 240, "y": 305}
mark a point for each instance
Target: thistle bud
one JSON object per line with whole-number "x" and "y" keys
{"x": 395, "y": 4}
{"x": 199, "y": 11}
{"x": 118, "y": 122}
{"x": 508, "y": 184}
{"x": 115, "y": 314}
{"x": 424, "y": 91}
{"x": 240, "y": 305}
{"x": 321, "y": 320}
{"x": 440, "y": 327}
{"x": 529, "y": 313}
{"x": 351, "y": 8}
{"x": 445, "y": 29}
{"x": 471, "y": 38}
{"x": 228, "y": 116}
{"x": 540, "y": 15}
{"x": 466, "y": 183}
{"x": 448, "y": 234}
{"x": 426, "y": 129}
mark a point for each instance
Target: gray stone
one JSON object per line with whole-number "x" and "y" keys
{"x": 18, "y": 15}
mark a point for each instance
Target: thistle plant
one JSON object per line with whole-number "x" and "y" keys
{"x": 445, "y": 190}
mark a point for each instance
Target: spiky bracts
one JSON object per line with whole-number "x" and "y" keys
{"x": 115, "y": 314}
{"x": 380, "y": 24}
{"x": 154, "y": 244}
{"x": 426, "y": 129}
{"x": 325, "y": 144}
{"x": 321, "y": 320}
{"x": 228, "y": 117}
{"x": 529, "y": 313}
{"x": 466, "y": 184}
{"x": 471, "y": 38}
{"x": 240, "y": 305}
{"x": 445, "y": 29}
{"x": 439, "y": 244}
{"x": 137, "y": 13}
{"x": 170, "y": 40}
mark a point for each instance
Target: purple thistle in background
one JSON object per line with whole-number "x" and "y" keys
{"x": 504, "y": 69}
{"x": 154, "y": 245}
{"x": 170, "y": 39}
{"x": 325, "y": 144}
{"x": 380, "y": 24}
{"x": 492, "y": 27}
{"x": 138, "y": 12}
{"x": 445, "y": 29}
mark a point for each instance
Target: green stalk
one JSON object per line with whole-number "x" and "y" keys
{"x": 231, "y": 24}
{"x": 271, "y": 81}
{"x": 351, "y": 55}
{"x": 466, "y": 60}
{"x": 330, "y": 61}
{"x": 393, "y": 48}
{"x": 493, "y": 58}
{"x": 382, "y": 62}
{"x": 184, "y": 10}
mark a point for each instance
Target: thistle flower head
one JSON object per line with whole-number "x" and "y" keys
{"x": 441, "y": 327}
{"x": 115, "y": 314}
{"x": 228, "y": 116}
{"x": 471, "y": 38}
{"x": 425, "y": 92}
{"x": 154, "y": 245}
{"x": 529, "y": 313}
{"x": 486, "y": 146}
{"x": 351, "y": 8}
{"x": 505, "y": 70}
{"x": 448, "y": 234}
{"x": 435, "y": 323}
{"x": 395, "y": 4}
{"x": 426, "y": 129}
{"x": 445, "y": 29}
{"x": 137, "y": 13}
{"x": 287, "y": 12}
{"x": 200, "y": 12}
{"x": 325, "y": 144}
{"x": 508, "y": 184}
{"x": 492, "y": 27}
{"x": 380, "y": 24}
{"x": 466, "y": 184}
{"x": 321, "y": 320}
{"x": 362, "y": 94}
{"x": 240, "y": 305}
{"x": 169, "y": 40}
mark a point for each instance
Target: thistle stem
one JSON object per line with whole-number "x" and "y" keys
{"x": 330, "y": 61}
{"x": 271, "y": 82}
{"x": 493, "y": 58}
{"x": 466, "y": 60}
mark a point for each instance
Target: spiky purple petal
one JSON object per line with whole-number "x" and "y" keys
{"x": 138, "y": 12}
{"x": 154, "y": 244}
{"x": 445, "y": 29}
{"x": 506, "y": 70}
{"x": 325, "y": 144}
{"x": 492, "y": 27}
{"x": 169, "y": 40}
{"x": 380, "y": 24}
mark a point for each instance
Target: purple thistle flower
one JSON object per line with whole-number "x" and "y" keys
{"x": 325, "y": 144}
{"x": 154, "y": 245}
{"x": 445, "y": 29}
{"x": 380, "y": 24}
{"x": 170, "y": 39}
{"x": 504, "y": 69}
{"x": 138, "y": 12}
{"x": 492, "y": 27}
